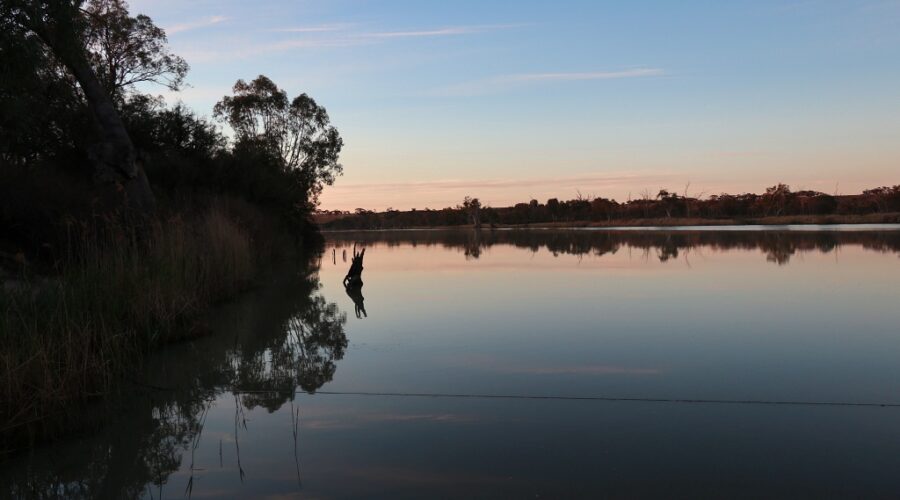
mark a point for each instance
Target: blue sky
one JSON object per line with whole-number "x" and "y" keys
{"x": 509, "y": 100}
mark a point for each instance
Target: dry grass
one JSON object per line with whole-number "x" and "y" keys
{"x": 66, "y": 340}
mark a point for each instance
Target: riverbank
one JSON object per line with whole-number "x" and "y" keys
{"x": 886, "y": 218}
{"x": 67, "y": 338}
{"x": 878, "y": 218}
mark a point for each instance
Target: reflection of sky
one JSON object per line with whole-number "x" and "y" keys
{"x": 414, "y": 448}
{"x": 710, "y": 324}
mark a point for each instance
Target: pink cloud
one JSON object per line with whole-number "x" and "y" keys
{"x": 494, "y": 192}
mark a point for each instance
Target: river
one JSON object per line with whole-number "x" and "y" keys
{"x": 523, "y": 363}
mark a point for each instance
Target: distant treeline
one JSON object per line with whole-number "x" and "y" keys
{"x": 778, "y": 245}
{"x": 777, "y": 201}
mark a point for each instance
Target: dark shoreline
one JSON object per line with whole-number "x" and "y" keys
{"x": 790, "y": 220}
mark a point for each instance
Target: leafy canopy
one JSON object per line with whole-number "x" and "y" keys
{"x": 297, "y": 131}
{"x": 127, "y": 50}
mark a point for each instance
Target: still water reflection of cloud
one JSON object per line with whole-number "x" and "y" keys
{"x": 492, "y": 364}
{"x": 387, "y": 475}
{"x": 359, "y": 420}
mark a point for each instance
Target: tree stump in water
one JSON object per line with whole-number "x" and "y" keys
{"x": 354, "y": 275}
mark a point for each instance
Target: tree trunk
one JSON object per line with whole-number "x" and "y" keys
{"x": 115, "y": 160}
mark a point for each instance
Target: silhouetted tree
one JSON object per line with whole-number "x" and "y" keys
{"x": 472, "y": 207}
{"x": 64, "y": 28}
{"x": 40, "y": 108}
{"x": 776, "y": 199}
{"x": 297, "y": 131}
{"x": 553, "y": 208}
{"x": 669, "y": 201}
{"x": 885, "y": 198}
{"x": 126, "y": 50}
{"x": 603, "y": 208}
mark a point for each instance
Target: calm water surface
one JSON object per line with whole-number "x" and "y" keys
{"x": 630, "y": 363}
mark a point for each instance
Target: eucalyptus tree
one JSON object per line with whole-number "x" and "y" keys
{"x": 38, "y": 109}
{"x": 126, "y": 50}
{"x": 104, "y": 50}
{"x": 472, "y": 207}
{"x": 297, "y": 131}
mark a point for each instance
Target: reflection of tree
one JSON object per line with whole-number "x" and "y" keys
{"x": 125, "y": 459}
{"x": 282, "y": 338}
{"x": 473, "y": 245}
{"x": 294, "y": 342}
{"x": 668, "y": 252}
{"x": 315, "y": 341}
{"x": 355, "y": 294}
{"x": 304, "y": 355}
{"x": 780, "y": 250}
{"x": 777, "y": 245}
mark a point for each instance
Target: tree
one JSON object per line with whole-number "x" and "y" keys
{"x": 182, "y": 150}
{"x": 60, "y": 25}
{"x": 776, "y": 199}
{"x": 553, "y": 208}
{"x": 41, "y": 113}
{"x": 669, "y": 201}
{"x": 603, "y": 208}
{"x": 472, "y": 207}
{"x": 126, "y": 50}
{"x": 886, "y": 198}
{"x": 298, "y": 131}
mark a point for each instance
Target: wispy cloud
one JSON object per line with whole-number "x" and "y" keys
{"x": 506, "y": 183}
{"x": 448, "y": 31}
{"x": 330, "y": 38}
{"x": 212, "y": 55}
{"x": 302, "y": 44}
{"x": 496, "y": 192}
{"x": 322, "y": 28}
{"x": 596, "y": 75}
{"x": 425, "y": 33}
{"x": 202, "y": 23}
{"x": 503, "y": 82}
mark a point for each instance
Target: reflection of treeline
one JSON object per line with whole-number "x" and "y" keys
{"x": 284, "y": 337}
{"x": 778, "y": 246}
{"x": 777, "y": 201}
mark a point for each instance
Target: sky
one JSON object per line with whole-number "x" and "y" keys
{"x": 513, "y": 100}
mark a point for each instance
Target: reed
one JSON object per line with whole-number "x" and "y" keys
{"x": 119, "y": 291}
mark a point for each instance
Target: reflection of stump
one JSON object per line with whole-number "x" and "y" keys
{"x": 354, "y": 275}
{"x": 355, "y": 294}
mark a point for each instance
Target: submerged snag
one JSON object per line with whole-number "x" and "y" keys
{"x": 354, "y": 275}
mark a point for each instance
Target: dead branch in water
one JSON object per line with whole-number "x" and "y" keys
{"x": 354, "y": 275}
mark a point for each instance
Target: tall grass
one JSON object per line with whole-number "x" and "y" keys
{"x": 70, "y": 338}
